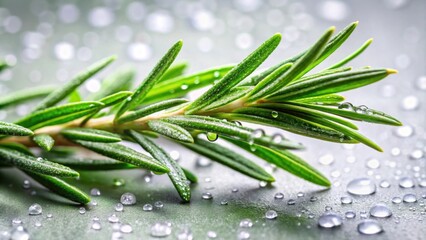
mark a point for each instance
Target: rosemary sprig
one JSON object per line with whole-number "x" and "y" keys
{"x": 283, "y": 96}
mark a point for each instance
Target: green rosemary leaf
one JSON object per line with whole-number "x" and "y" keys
{"x": 119, "y": 80}
{"x": 92, "y": 135}
{"x": 214, "y": 125}
{"x": 11, "y": 129}
{"x": 353, "y": 55}
{"x": 324, "y": 99}
{"x": 176, "y": 175}
{"x": 60, "y": 187}
{"x": 3, "y": 65}
{"x": 190, "y": 175}
{"x": 286, "y": 161}
{"x": 21, "y": 96}
{"x": 233, "y": 77}
{"x": 33, "y": 164}
{"x": 58, "y": 114}
{"x": 174, "y": 71}
{"x": 62, "y": 92}
{"x": 284, "y": 107}
{"x": 287, "y": 122}
{"x": 180, "y": 86}
{"x": 270, "y": 79}
{"x": 153, "y": 77}
{"x": 18, "y": 147}
{"x": 86, "y": 164}
{"x": 230, "y": 159}
{"x": 333, "y": 83}
{"x": 66, "y": 118}
{"x": 115, "y": 98}
{"x": 44, "y": 141}
{"x": 348, "y": 111}
{"x": 170, "y": 130}
{"x": 150, "y": 109}
{"x": 125, "y": 154}
{"x": 74, "y": 96}
{"x": 321, "y": 74}
{"x": 269, "y": 86}
{"x": 232, "y": 95}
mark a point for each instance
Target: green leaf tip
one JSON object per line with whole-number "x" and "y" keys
{"x": 391, "y": 71}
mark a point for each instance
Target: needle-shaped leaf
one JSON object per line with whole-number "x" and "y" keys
{"x": 176, "y": 174}
{"x": 230, "y": 159}
{"x": 58, "y": 114}
{"x": 119, "y": 80}
{"x": 125, "y": 154}
{"x": 180, "y": 86}
{"x": 324, "y": 99}
{"x": 174, "y": 70}
{"x": 218, "y": 126}
{"x": 170, "y": 130}
{"x": 18, "y": 147}
{"x": 92, "y": 135}
{"x": 44, "y": 141}
{"x": 74, "y": 96}
{"x": 238, "y": 73}
{"x": 269, "y": 86}
{"x": 24, "y": 95}
{"x": 333, "y": 83}
{"x": 287, "y": 122}
{"x": 150, "y": 109}
{"x": 233, "y": 94}
{"x": 10, "y": 129}
{"x": 60, "y": 187}
{"x": 190, "y": 175}
{"x": 33, "y": 164}
{"x": 149, "y": 82}
{"x": 270, "y": 78}
{"x": 286, "y": 161}
{"x": 62, "y": 92}
{"x": 86, "y": 164}
{"x": 321, "y": 74}
{"x": 353, "y": 55}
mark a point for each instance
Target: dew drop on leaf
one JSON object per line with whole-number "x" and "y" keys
{"x": 212, "y": 136}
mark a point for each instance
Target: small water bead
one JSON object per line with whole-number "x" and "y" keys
{"x": 223, "y": 202}
{"x": 246, "y": 223}
{"x": 159, "y": 204}
{"x": 291, "y": 202}
{"x": 211, "y": 234}
{"x": 82, "y": 210}
{"x": 243, "y": 235}
{"x": 404, "y": 131}
{"x": 37, "y": 224}
{"x": 175, "y": 155}
{"x": 96, "y": 225}
{"x": 263, "y": 184}
{"x": 207, "y": 196}
{"x": 346, "y": 200}
{"x": 95, "y": 192}
{"x": 184, "y": 234}
{"x": 409, "y": 198}
{"x": 26, "y": 184}
{"x": 350, "y": 214}
{"x": 384, "y": 184}
{"x": 119, "y": 182}
{"x": 279, "y": 195}
{"x": 373, "y": 163}
{"x": 274, "y": 114}
{"x": 147, "y": 207}
{"x": 277, "y": 138}
{"x": 346, "y": 105}
{"x": 396, "y": 200}
{"x": 328, "y": 208}
{"x": 326, "y": 159}
{"x": 422, "y": 183}
{"x": 410, "y": 103}
{"x": 49, "y": 215}
{"x": 234, "y": 190}
{"x": 313, "y": 199}
{"x": 271, "y": 214}
{"x": 128, "y": 199}
{"x": 35, "y": 209}
{"x": 361, "y": 186}
{"x": 119, "y": 207}
{"x": 329, "y": 220}
{"x": 113, "y": 219}
{"x": 421, "y": 83}
{"x": 16, "y": 221}
{"x": 161, "y": 229}
{"x": 416, "y": 154}
{"x": 203, "y": 162}
{"x": 126, "y": 228}
{"x": 406, "y": 182}
{"x": 19, "y": 233}
{"x": 369, "y": 227}
{"x": 212, "y": 136}
{"x": 300, "y": 194}
{"x": 380, "y": 210}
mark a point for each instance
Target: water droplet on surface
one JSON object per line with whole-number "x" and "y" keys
{"x": 404, "y": 131}
{"x": 396, "y": 200}
{"x": 82, "y": 210}
{"x": 271, "y": 214}
{"x": 346, "y": 200}
{"x": 159, "y": 204}
{"x": 26, "y": 184}
{"x": 380, "y": 210}
{"x": 421, "y": 83}
{"x": 279, "y": 195}
{"x": 211, "y": 234}
{"x": 361, "y": 186}
{"x": 119, "y": 207}
{"x": 118, "y": 182}
{"x": 350, "y": 214}
{"x": 212, "y": 136}
{"x": 207, "y": 196}
{"x": 96, "y": 225}
{"x": 16, "y": 221}
{"x": 246, "y": 223}
{"x": 346, "y": 105}
{"x": 35, "y": 209}
{"x": 416, "y": 154}
{"x": 147, "y": 207}
{"x": 291, "y": 202}
{"x": 243, "y": 235}
{"x": 126, "y": 228}
{"x": 326, "y": 159}
{"x": 128, "y": 199}
{"x": 113, "y": 218}
{"x": 161, "y": 229}
{"x": 95, "y": 192}
{"x": 384, "y": 184}
{"x": 263, "y": 184}
{"x": 410, "y": 103}
{"x": 19, "y": 233}
{"x": 409, "y": 198}
{"x": 373, "y": 163}
{"x": 203, "y": 162}
{"x": 329, "y": 220}
{"x": 406, "y": 182}
{"x": 223, "y": 202}
{"x": 274, "y": 114}
{"x": 369, "y": 227}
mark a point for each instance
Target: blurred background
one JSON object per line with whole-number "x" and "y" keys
{"x": 50, "y": 41}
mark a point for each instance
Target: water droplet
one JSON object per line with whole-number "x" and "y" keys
{"x": 64, "y": 51}
{"x": 246, "y": 223}
{"x": 396, "y": 200}
{"x": 313, "y": 199}
{"x": 406, "y": 182}
{"x": 26, "y": 184}
{"x": 361, "y": 186}
{"x": 380, "y": 210}
{"x": 82, "y": 210}
{"x": 384, "y": 184}
{"x": 369, "y": 227}
{"x": 350, "y": 214}
{"x": 159, "y": 204}
{"x": 118, "y": 182}
{"x": 212, "y": 136}
{"x": 277, "y": 138}
{"x": 300, "y": 194}
{"x": 421, "y": 83}
{"x": 119, "y": 207}
{"x": 329, "y": 220}
{"x": 409, "y": 198}
{"x": 410, "y": 103}
{"x": 328, "y": 208}
{"x": 326, "y": 159}
{"x": 263, "y": 184}
{"x": 404, "y": 131}
{"x": 211, "y": 234}
{"x": 35, "y": 209}
{"x": 126, "y": 228}
{"x": 49, "y": 215}
{"x": 128, "y": 199}
{"x": 95, "y": 192}
{"x": 346, "y": 105}
{"x": 346, "y": 200}
{"x": 161, "y": 229}
{"x": 96, "y": 225}
{"x": 243, "y": 235}
{"x": 207, "y": 196}
{"x": 203, "y": 162}
{"x": 113, "y": 218}
{"x": 147, "y": 207}
{"x": 279, "y": 195}
{"x": 373, "y": 163}
{"x": 274, "y": 114}
{"x": 19, "y": 233}
{"x": 291, "y": 202}
{"x": 271, "y": 214}
{"x": 16, "y": 221}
